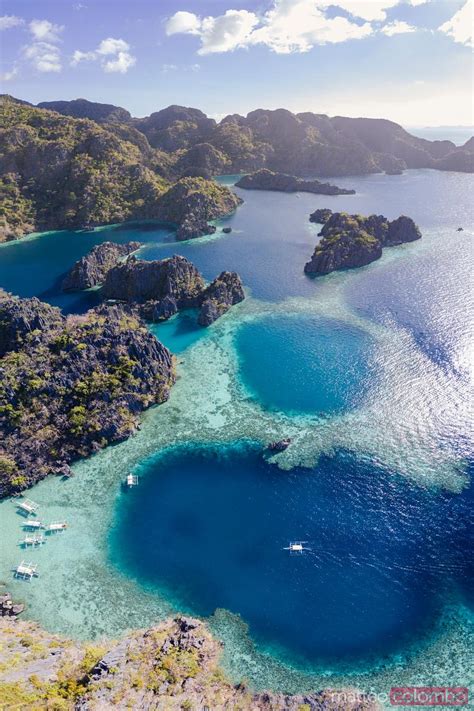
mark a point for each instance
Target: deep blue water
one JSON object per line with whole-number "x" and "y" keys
{"x": 304, "y": 364}
{"x": 208, "y": 526}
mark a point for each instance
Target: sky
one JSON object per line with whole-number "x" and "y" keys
{"x": 406, "y": 60}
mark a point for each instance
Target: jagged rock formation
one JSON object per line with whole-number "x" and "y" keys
{"x": 25, "y": 321}
{"x": 160, "y": 288}
{"x": 172, "y": 666}
{"x": 138, "y": 281}
{"x": 268, "y": 180}
{"x": 225, "y": 291}
{"x": 350, "y": 241}
{"x": 69, "y": 386}
{"x": 92, "y": 269}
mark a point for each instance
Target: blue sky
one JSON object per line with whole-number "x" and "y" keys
{"x": 407, "y": 60}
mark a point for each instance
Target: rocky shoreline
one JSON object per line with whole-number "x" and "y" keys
{"x": 174, "y": 666}
{"x": 71, "y": 386}
{"x": 280, "y": 182}
{"x": 351, "y": 241}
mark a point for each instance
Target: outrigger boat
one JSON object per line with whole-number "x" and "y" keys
{"x": 33, "y": 525}
{"x": 27, "y": 506}
{"x": 26, "y": 570}
{"x": 297, "y": 547}
{"x": 32, "y": 540}
{"x": 55, "y": 527}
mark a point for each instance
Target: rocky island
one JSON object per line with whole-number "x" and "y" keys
{"x": 70, "y": 386}
{"x": 92, "y": 269}
{"x": 350, "y": 241}
{"x": 174, "y": 665}
{"x": 158, "y": 289}
{"x": 268, "y": 180}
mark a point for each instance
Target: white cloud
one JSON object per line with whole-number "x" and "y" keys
{"x": 459, "y": 27}
{"x": 43, "y": 53}
{"x": 290, "y": 26}
{"x": 44, "y": 57}
{"x": 122, "y": 63}
{"x": 183, "y": 22}
{"x": 227, "y": 32}
{"x": 112, "y": 53}
{"x": 9, "y": 21}
{"x": 166, "y": 68}
{"x": 112, "y": 46}
{"x": 397, "y": 28}
{"x": 45, "y": 31}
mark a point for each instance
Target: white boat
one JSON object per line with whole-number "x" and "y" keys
{"x": 55, "y": 526}
{"x": 33, "y": 525}
{"x": 26, "y": 570}
{"x": 131, "y": 480}
{"x": 27, "y": 506}
{"x": 32, "y": 540}
{"x": 297, "y": 547}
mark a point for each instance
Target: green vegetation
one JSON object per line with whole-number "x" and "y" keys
{"x": 65, "y": 172}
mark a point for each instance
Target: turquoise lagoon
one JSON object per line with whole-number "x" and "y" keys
{"x": 369, "y": 373}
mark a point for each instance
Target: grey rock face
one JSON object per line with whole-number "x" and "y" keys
{"x": 92, "y": 269}
{"x": 138, "y": 281}
{"x": 402, "y": 230}
{"x": 25, "y": 321}
{"x": 225, "y": 291}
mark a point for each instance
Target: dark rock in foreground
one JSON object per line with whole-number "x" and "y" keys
{"x": 8, "y": 608}
{"x": 174, "y": 666}
{"x": 350, "y": 241}
{"x": 267, "y": 180}
{"x": 25, "y": 322}
{"x": 225, "y": 291}
{"x": 92, "y": 269}
{"x": 71, "y": 385}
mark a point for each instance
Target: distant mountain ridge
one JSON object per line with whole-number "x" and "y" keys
{"x": 304, "y": 143}
{"x": 80, "y": 163}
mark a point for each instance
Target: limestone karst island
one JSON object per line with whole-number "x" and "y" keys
{"x": 236, "y": 269}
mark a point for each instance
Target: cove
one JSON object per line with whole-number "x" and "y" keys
{"x": 304, "y": 364}
{"x": 208, "y": 524}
